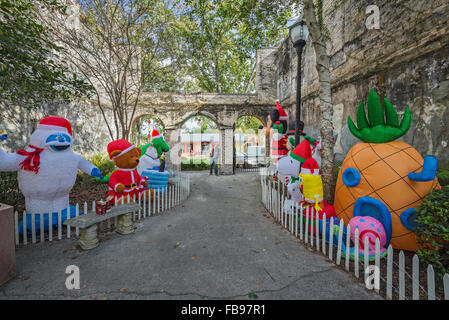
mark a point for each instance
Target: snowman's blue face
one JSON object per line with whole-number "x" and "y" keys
{"x": 59, "y": 141}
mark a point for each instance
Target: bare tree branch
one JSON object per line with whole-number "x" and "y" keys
{"x": 106, "y": 48}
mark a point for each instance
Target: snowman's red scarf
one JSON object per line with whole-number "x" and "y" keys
{"x": 32, "y": 160}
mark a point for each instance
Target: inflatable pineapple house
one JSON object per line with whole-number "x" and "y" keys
{"x": 383, "y": 178}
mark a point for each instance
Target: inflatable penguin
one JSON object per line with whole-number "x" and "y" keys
{"x": 291, "y": 164}
{"x": 47, "y": 168}
{"x": 152, "y": 152}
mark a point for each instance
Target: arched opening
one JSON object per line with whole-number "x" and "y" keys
{"x": 200, "y": 137}
{"x": 249, "y": 143}
{"x": 142, "y": 128}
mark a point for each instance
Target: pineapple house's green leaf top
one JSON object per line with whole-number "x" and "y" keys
{"x": 380, "y": 127}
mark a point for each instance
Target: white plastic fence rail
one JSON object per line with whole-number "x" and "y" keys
{"x": 296, "y": 219}
{"x": 177, "y": 191}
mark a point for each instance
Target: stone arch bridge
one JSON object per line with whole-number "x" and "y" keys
{"x": 173, "y": 109}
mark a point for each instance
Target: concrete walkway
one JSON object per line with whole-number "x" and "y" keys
{"x": 220, "y": 244}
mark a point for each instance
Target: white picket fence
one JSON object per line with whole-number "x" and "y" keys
{"x": 251, "y": 169}
{"x": 176, "y": 192}
{"x": 273, "y": 196}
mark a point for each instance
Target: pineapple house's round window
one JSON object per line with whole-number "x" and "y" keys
{"x": 351, "y": 177}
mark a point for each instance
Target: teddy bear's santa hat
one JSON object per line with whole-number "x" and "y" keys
{"x": 55, "y": 124}
{"x": 122, "y": 145}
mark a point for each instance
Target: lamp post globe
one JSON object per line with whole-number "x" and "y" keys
{"x": 298, "y": 32}
{"x": 298, "y": 35}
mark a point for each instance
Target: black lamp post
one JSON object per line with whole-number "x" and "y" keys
{"x": 298, "y": 35}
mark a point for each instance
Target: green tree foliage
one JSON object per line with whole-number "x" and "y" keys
{"x": 9, "y": 190}
{"x": 207, "y": 124}
{"x": 122, "y": 48}
{"x": 219, "y": 40}
{"x": 30, "y": 72}
{"x": 142, "y": 128}
{"x": 199, "y": 124}
{"x": 161, "y": 61}
{"x": 248, "y": 123}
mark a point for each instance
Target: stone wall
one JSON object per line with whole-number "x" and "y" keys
{"x": 265, "y": 72}
{"x": 406, "y": 60}
{"x": 90, "y": 132}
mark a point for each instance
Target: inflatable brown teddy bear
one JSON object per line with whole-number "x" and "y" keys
{"x": 125, "y": 180}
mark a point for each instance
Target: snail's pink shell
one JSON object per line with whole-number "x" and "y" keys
{"x": 371, "y": 228}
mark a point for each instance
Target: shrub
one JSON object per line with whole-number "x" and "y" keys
{"x": 443, "y": 166}
{"x": 432, "y": 231}
{"x": 9, "y": 190}
{"x": 336, "y": 171}
{"x": 84, "y": 181}
{"x": 103, "y": 163}
{"x": 203, "y": 165}
{"x": 443, "y": 177}
{"x": 443, "y": 173}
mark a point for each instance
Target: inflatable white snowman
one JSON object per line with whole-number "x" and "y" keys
{"x": 151, "y": 152}
{"x": 47, "y": 169}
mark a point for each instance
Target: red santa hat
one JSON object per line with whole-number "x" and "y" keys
{"x": 122, "y": 145}
{"x": 282, "y": 114}
{"x": 155, "y": 134}
{"x": 302, "y": 151}
{"x": 55, "y": 123}
{"x": 310, "y": 166}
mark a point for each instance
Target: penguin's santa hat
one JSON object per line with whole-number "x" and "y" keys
{"x": 155, "y": 134}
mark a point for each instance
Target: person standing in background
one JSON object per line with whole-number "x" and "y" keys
{"x": 214, "y": 155}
